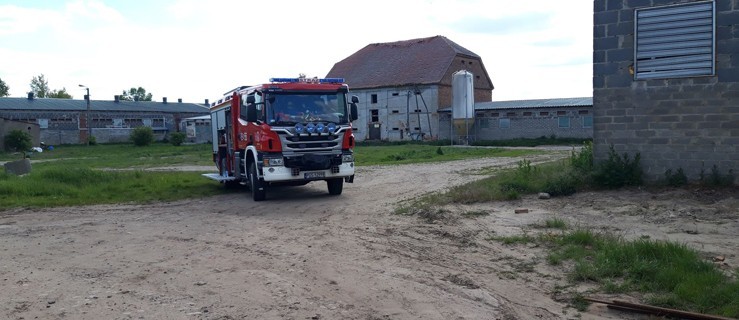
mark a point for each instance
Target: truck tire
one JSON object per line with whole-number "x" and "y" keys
{"x": 335, "y": 186}
{"x": 258, "y": 192}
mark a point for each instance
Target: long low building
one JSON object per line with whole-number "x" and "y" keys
{"x": 64, "y": 121}
{"x": 503, "y": 120}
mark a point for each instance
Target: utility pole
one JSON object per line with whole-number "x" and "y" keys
{"x": 87, "y": 114}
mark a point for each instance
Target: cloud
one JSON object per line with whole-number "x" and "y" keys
{"x": 194, "y": 49}
{"x": 503, "y": 25}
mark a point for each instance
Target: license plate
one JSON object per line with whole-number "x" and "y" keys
{"x": 314, "y": 175}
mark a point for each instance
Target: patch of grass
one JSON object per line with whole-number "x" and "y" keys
{"x": 83, "y": 186}
{"x": 674, "y": 275}
{"x": 121, "y": 156}
{"x": 418, "y": 153}
{"x": 671, "y": 275}
{"x": 541, "y": 141}
{"x": 555, "y": 223}
{"x": 507, "y": 185}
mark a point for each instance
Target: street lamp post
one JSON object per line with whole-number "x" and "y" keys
{"x": 87, "y": 114}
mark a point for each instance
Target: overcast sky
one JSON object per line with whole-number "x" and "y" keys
{"x": 197, "y": 50}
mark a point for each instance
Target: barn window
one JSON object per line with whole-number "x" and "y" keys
{"x": 43, "y": 123}
{"x": 564, "y": 122}
{"x": 373, "y": 98}
{"x": 483, "y": 123}
{"x": 675, "y": 41}
{"x": 527, "y": 113}
{"x": 544, "y": 113}
{"x": 587, "y": 122}
{"x": 375, "y": 114}
{"x": 504, "y": 123}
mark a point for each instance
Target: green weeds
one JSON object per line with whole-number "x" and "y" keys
{"x": 673, "y": 275}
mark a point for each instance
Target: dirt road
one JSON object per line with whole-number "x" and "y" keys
{"x": 303, "y": 254}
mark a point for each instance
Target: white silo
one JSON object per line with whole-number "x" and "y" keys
{"x": 463, "y": 104}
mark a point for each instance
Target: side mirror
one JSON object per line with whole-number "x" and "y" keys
{"x": 251, "y": 111}
{"x": 250, "y": 99}
{"x": 354, "y": 113}
{"x": 355, "y": 99}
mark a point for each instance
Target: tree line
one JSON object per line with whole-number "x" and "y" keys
{"x": 40, "y": 88}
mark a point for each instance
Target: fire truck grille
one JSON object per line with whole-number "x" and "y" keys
{"x": 335, "y": 169}
{"x": 312, "y": 162}
{"x": 312, "y": 145}
{"x": 295, "y": 171}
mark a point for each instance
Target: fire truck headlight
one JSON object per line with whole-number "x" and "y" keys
{"x": 273, "y": 162}
{"x": 310, "y": 128}
{"x": 319, "y": 127}
{"x": 331, "y": 127}
{"x": 299, "y": 128}
{"x": 347, "y": 158}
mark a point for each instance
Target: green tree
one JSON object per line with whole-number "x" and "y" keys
{"x": 135, "y": 94}
{"x": 18, "y": 140}
{"x": 4, "y": 89}
{"x": 40, "y": 86}
{"x": 59, "y": 94}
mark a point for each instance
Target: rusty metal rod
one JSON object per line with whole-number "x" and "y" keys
{"x": 656, "y": 310}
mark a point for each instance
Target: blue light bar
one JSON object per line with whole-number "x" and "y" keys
{"x": 332, "y": 80}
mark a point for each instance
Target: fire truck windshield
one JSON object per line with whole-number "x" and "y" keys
{"x": 290, "y": 108}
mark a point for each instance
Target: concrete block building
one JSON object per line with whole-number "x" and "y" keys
{"x": 514, "y": 119}
{"x": 6, "y": 126}
{"x": 666, "y": 83}
{"x": 401, "y": 85}
{"x": 65, "y": 121}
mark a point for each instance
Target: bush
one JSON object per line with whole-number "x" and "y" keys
{"x": 716, "y": 178}
{"x": 18, "y": 140}
{"x": 564, "y": 184}
{"x": 619, "y": 171}
{"x": 177, "y": 138}
{"x": 92, "y": 141}
{"x": 676, "y": 179}
{"x": 142, "y": 136}
{"x": 583, "y": 160}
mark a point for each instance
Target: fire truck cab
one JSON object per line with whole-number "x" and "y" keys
{"x": 290, "y": 131}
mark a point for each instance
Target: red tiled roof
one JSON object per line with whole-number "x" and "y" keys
{"x": 408, "y": 62}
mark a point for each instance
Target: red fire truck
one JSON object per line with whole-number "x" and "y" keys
{"x": 290, "y": 131}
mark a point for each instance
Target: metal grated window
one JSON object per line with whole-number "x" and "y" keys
{"x": 675, "y": 41}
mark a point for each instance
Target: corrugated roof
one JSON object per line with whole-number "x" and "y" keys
{"x": 534, "y": 103}
{"x": 50, "y": 104}
{"x": 408, "y": 62}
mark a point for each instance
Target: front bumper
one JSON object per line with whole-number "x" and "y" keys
{"x": 281, "y": 173}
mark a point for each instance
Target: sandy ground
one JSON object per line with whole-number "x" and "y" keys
{"x": 303, "y": 254}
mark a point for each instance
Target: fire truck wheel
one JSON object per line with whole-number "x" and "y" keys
{"x": 258, "y": 192}
{"x": 335, "y": 186}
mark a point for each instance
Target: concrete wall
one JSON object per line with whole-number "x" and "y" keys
{"x": 523, "y": 123}
{"x": 688, "y": 123}
{"x": 64, "y": 127}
